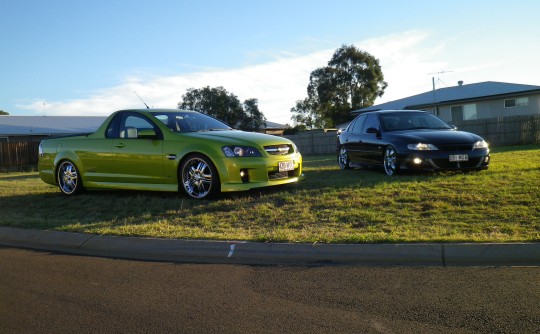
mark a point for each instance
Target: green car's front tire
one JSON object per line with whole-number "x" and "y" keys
{"x": 199, "y": 177}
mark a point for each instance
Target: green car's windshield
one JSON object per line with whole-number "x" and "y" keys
{"x": 400, "y": 121}
{"x": 189, "y": 121}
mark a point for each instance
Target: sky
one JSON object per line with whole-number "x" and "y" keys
{"x": 90, "y": 57}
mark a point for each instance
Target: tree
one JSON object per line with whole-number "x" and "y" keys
{"x": 294, "y": 130}
{"x": 254, "y": 119}
{"x": 219, "y": 103}
{"x": 304, "y": 113}
{"x": 352, "y": 80}
{"x": 3, "y": 112}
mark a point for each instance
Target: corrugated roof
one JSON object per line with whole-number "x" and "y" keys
{"x": 456, "y": 93}
{"x": 47, "y": 125}
{"x": 272, "y": 125}
{"x": 55, "y": 125}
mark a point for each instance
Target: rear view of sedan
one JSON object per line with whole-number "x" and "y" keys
{"x": 409, "y": 140}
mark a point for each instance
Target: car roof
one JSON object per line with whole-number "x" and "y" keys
{"x": 394, "y": 111}
{"x": 157, "y": 110}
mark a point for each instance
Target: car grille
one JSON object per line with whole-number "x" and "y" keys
{"x": 455, "y": 147}
{"x": 278, "y": 175}
{"x": 272, "y": 176}
{"x": 279, "y": 149}
{"x": 445, "y": 164}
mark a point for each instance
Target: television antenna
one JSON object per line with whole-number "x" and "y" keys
{"x": 433, "y": 82}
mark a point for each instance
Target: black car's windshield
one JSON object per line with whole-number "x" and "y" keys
{"x": 400, "y": 121}
{"x": 189, "y": 121}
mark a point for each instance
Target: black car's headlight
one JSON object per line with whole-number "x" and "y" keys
{"x": 422, "y": 147}
{"x": 240, "y": 151}
{"x": 480, "y": 144}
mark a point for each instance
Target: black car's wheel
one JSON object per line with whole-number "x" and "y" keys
{"x": 199, "y": 177}
{"x": 343, "y": 158}
{"x": 68, "y": 178}
{"x": 390, "y": 162}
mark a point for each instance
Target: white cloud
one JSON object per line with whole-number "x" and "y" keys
{"x": 405, "y": 59}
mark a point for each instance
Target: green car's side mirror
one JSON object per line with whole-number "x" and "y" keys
{"x": 147, "y": 134}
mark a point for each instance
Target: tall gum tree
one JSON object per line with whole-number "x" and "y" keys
{"x": 352, "y": 80}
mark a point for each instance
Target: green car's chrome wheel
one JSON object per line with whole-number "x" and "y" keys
{"x": 199, "y": 177}
{"x": 390, "y": 162}
{"x": 68, "y": 178}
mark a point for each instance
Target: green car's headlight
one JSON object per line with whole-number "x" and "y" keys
{"x": 295, "y": 148}
{"x": 240, "y": 151}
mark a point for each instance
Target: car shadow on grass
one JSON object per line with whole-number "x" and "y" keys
{"x": 94, "y": 209}
{"x": 8, "y": 177}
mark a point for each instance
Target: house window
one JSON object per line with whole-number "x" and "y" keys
{"x": 457, "y": 113}
{"x": 516, "y": 102}
{"x": 431, "y": 111}
{"x": 469, "y": 112}
{"x": 4, "y": 140}
{"x": 464, "y": 112}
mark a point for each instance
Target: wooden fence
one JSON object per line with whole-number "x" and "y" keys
{"x": 315, "y": 142}
{"x": 504, "y": 131}
{"x": 18, "y": 156}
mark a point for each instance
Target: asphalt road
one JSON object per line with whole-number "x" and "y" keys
{"x": 42, "y": 292}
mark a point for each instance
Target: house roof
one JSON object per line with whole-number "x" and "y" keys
{"x": 272, "y": 125}
{"x": 57, "y": 125}
{"x": 48, "y": 125}
{"x": 459, "y": 93}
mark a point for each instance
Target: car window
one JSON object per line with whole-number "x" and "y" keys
{"x": 358, "y": 123}
{"x": 410, "y": 121}
{"x": 163, "y": 118}
{"x": 112, "y": 129}
{"x": 372, "y": 121}
{"x": 183, "y": 121}
{"x": 131, "y": 124}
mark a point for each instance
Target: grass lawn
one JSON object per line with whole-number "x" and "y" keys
{"x": 501, "y": 204}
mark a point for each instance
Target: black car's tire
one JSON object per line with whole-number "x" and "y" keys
{"x": 343, "y": 159}
{"x": 390, "y": 161}
{"x": 199, "y": 177}
{"x": 68, "y": 178}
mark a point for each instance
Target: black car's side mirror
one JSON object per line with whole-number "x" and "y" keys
{"x": 373, "y": 130}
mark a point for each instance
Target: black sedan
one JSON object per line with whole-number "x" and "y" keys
{"x": 406, "y": 139}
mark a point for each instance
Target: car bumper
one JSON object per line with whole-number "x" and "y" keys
{"x": 237, "y": 174}
{"x": 436, "y": 160}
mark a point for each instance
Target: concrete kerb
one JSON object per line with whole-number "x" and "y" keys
{"x": 234, "y": 252}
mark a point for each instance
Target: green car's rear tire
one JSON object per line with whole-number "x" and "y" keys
{"x": 68, "y": 178}
{"x": 199, "y": 177}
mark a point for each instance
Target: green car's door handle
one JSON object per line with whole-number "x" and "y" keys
{"x": 120, "y": 145}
